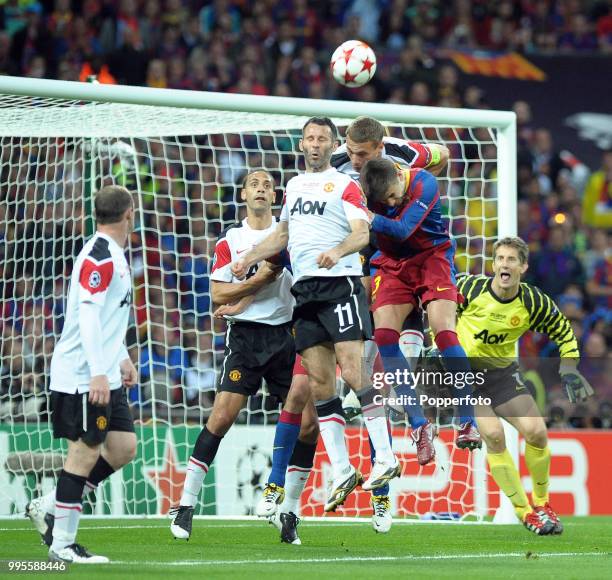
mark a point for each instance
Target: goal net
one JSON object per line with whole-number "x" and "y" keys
{"x": 185, "y": 164}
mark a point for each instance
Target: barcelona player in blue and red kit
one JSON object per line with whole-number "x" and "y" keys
{"x": 414, "y": 268}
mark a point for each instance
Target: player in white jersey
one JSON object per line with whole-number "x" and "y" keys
{"x": 324, "y": 224}
{"x": 259, "y": 345}
{"x": 89, "y": 368}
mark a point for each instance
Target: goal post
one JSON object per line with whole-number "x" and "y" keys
{"x": 184, "y": 153}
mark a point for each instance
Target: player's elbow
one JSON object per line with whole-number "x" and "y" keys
{"x": 443, "y": 155}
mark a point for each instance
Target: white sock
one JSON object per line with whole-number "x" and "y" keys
{"x": 370, "y": 351}
{"x": 66, "y": 524}
{"x": 332, "y": 433}
{"x": 294, "y": 486}
{"x": 48, "y": 501}
{"x": 379, "y": 434}
{"x": 375, "y": 419}
{"x": 411, "y": 345}
{"x": 196, "y": 472}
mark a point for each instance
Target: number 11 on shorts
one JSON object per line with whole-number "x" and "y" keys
{"x": 340, "y": 310}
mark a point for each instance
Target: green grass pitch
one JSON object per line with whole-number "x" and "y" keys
{"x": 144, "y": 548}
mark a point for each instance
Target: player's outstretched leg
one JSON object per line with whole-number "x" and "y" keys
{"x": 119, "y": 449}
{"x": 507, "y": 477}
{"x": 298, "y": 472}
{"x": 68, "y": 509}
{"x": 296, "y": 428}
{"x": 381, "y": 504}
{"x": 537, "y": 458}
{"x": 204, "y": 452}
{"x": 456, "y": 361}
{"x": 394, "y": 362}
{"x": 226, "y": 407}
{"x": 345, "y": 477}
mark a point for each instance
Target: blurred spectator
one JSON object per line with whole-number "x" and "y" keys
{"x": 597, "y": 201}
{"x": 556, "y": 266}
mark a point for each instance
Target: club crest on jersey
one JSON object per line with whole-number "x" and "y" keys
{"x": 515, "y": 320}
{"x": 101, "y": 423}
{"x": 329, "y": 187}
{"x": 94, "y": 279}
{"x": 308, "y": 207}
{"x": 235, "y": 375}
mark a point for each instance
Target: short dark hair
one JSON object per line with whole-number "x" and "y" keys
{"x": 377, "y": 175}
{"x": 322, "y": 121}
{"x": 513, "y": 242}
{"x": 365, "y": 130}
{"x": 246, "y": 177}
{"x": 110, "y": 203}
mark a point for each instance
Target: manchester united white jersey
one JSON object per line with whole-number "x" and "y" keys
{"x": 406, "y": 153}
{"x": 318, "y": 208}
{"x": 101, "y": 276}
{"x": 274, "y": 303}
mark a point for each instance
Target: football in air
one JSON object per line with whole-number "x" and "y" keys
{"x": 353, "y": 63}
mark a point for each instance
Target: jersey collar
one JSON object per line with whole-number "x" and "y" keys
{"x": 110, "y": 240}
{"x": 496, "y": 297}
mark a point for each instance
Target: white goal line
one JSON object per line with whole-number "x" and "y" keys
{"x": 345, "y": 559}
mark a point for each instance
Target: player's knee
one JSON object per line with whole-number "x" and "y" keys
{"x": 129, "y": 450}
{"x": 494, "y": 439}
{"x": 536, "y": 435}
{"x": 220, "y": 422}
{"x": 81, "y": 458}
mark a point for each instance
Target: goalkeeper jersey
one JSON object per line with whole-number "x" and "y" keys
{"x": 489, "y": 327}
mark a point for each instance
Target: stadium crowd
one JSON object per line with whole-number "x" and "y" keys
{"x": 279, "y": 48}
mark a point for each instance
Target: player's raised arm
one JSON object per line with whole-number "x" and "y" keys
{"x": 270, "y": 246}
{"x": 384, "y": 183}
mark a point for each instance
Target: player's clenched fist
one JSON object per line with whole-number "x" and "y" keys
{"x": 328, "y": 259}
{"x": 240, "y": 268}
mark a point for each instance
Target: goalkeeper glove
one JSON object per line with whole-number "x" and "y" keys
{"x": 576, "y": 386}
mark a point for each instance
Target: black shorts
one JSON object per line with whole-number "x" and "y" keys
{"x": 330, "y": 309}
{"x": 70, "y": 422}
{"x": 253, "y": 352}
{"x": 502, "y": 385}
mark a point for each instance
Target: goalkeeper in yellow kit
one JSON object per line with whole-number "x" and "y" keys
{"x": 495, "y": 313}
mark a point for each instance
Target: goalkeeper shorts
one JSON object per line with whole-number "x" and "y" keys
{"x": 502, "y": 385}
